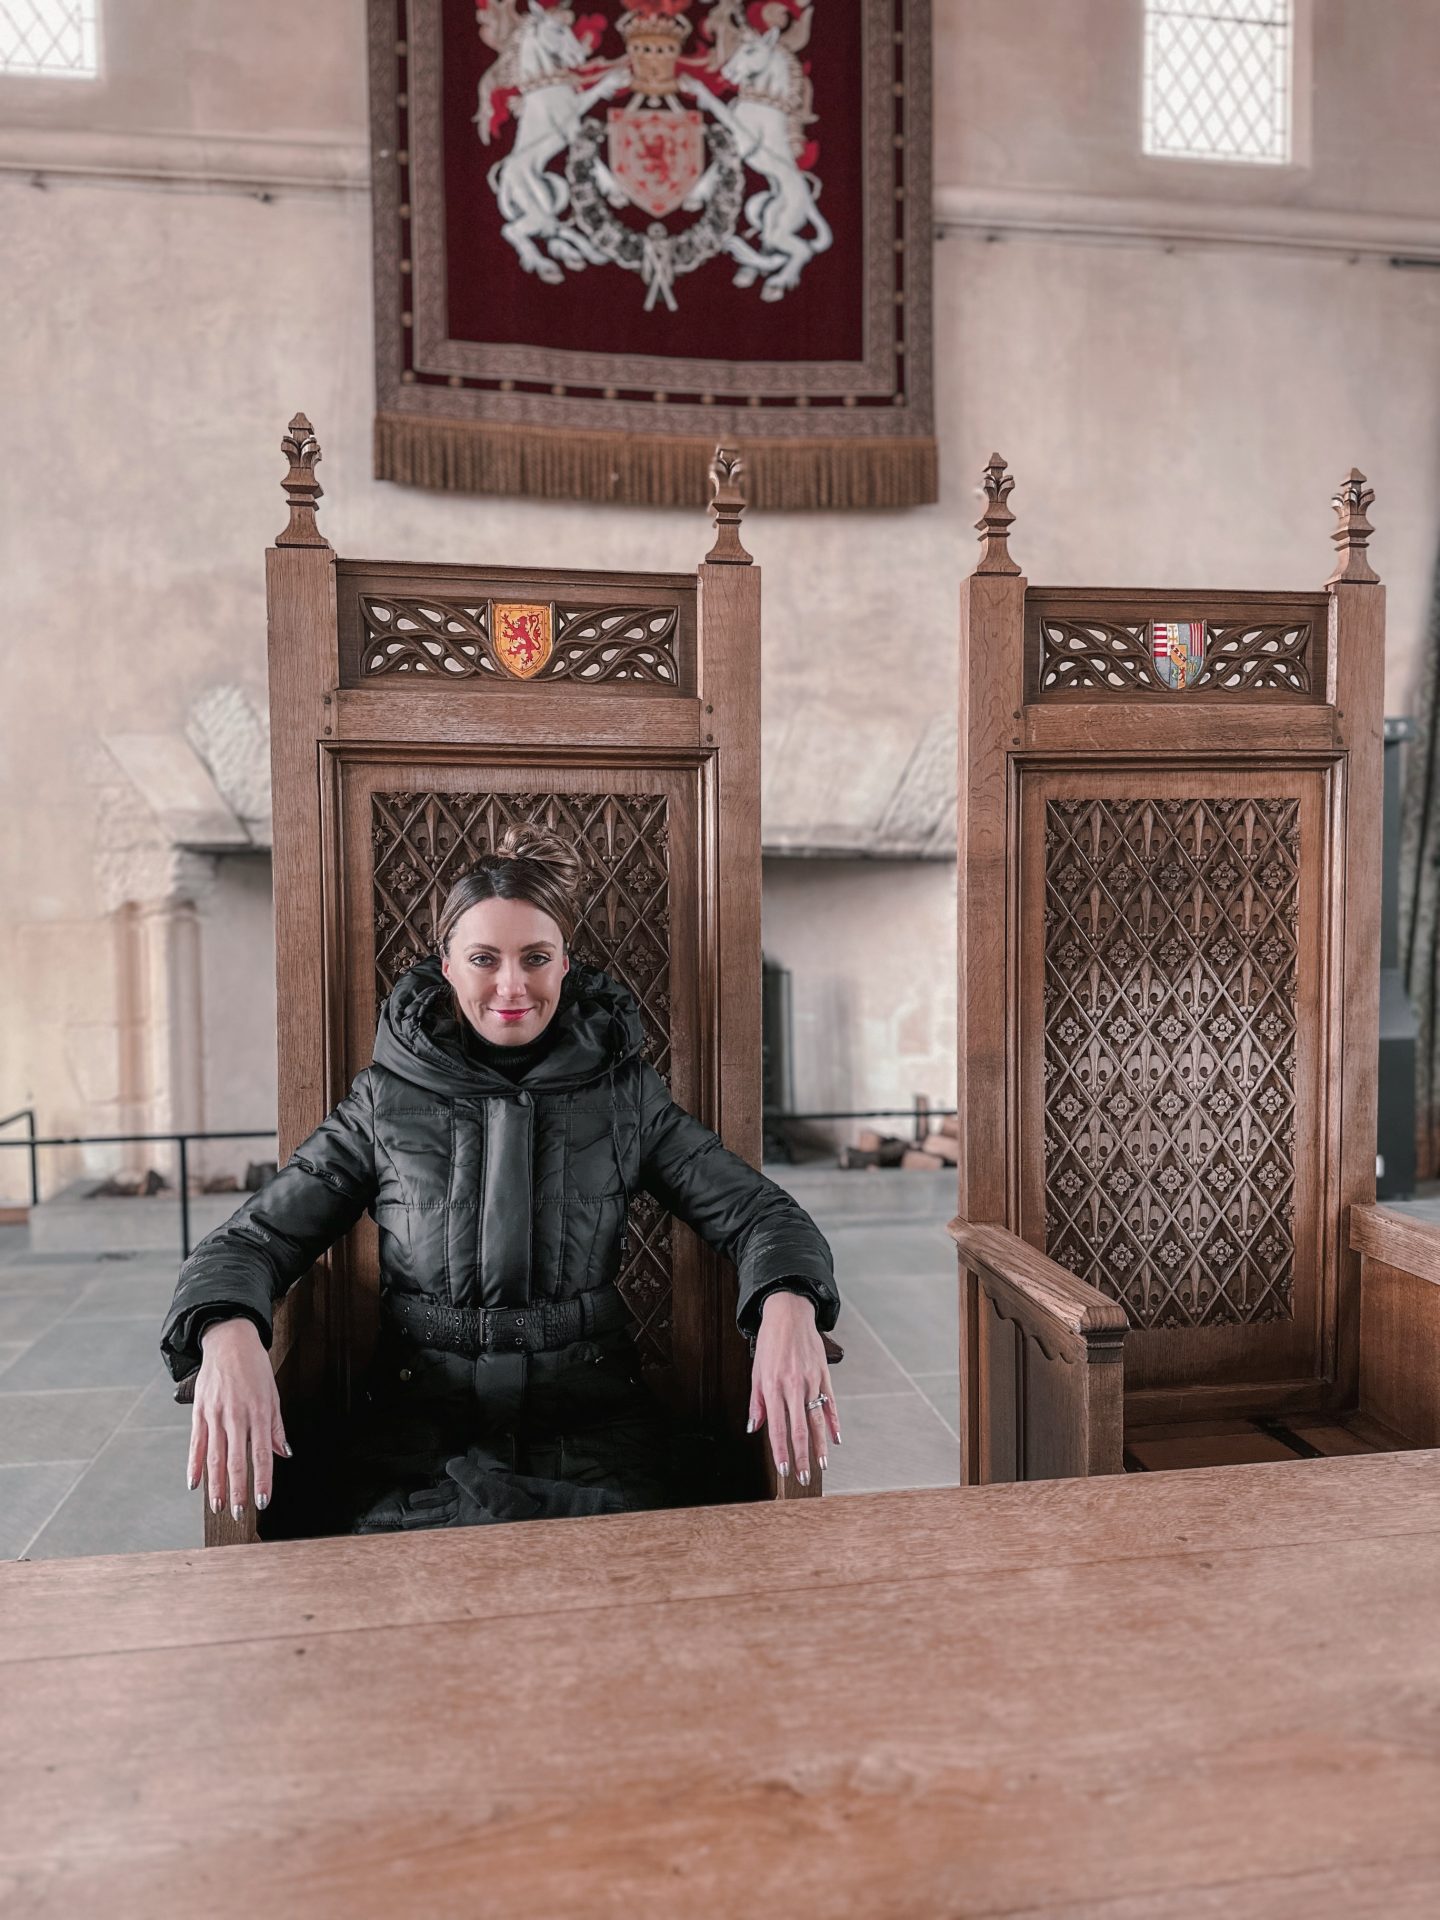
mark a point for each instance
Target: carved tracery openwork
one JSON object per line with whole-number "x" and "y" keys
{"x": 1102, "y": 656}
{"x": 450, "y": 639}
{"x": 424, "y": 841}
{"x": 1170, "y": 981}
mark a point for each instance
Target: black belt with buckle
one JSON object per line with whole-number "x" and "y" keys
{"x": 537, "y": 1328}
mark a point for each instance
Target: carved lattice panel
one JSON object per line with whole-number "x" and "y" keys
{"x": 451, "y": 639}
{"x": 424, "y": 841}
{"x": 1105, "y": 656}
{"x": 1170, "y": 1029}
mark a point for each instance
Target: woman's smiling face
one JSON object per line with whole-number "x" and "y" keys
{"x": 506, "y": 961}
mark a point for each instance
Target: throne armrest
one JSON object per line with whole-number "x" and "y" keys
{"x": 1398, "y": 1240}
{"x": 1051, "y": 1304}
{"x": 1042, "y": 1370}
{"x": 1399, "y": 1322}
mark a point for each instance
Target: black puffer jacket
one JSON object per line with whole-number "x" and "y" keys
{"x": 489, "y": 1193}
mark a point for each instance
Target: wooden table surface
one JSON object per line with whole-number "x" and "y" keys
{"x": 1144, "y": 1698}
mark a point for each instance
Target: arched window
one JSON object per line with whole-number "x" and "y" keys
{"x": 57, "y": 38}
{"x": 1220, "y": 79}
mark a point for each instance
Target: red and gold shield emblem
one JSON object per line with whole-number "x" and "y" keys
{"x": 657, "y": 154}
{"x": 522, "y": 637}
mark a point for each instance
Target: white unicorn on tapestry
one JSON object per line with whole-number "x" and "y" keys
{"x": 538, "y": 54}
{"x": 784, "y": 226}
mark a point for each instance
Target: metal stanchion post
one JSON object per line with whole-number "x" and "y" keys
{"x": 184, "y": 1198}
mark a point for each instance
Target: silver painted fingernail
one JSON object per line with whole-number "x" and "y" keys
{"x": 803, "y": 1476}
{"x": 237, "y": 1509}
{"x": 824, "y": 1462}
{"x": 192, "y": 1481}
{"x": 750, "y": 1424}
{"x": 784, "y": 1468}
{"x": 262, "y": 1500}
{"x": 216, "y": 1504}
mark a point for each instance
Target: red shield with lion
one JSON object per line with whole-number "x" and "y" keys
{"x": 657, "y": 154}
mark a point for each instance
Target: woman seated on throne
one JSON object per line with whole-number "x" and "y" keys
{"x": 507, "y": 1118}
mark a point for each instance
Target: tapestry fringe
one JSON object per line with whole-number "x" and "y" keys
{"x": 648, "y": 471}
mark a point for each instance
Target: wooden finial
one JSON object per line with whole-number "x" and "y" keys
{"x": 727, "y": 504}
{"x": 994, "y": 523}
{"x": 302, "y": 489}
{"x": 1352, "y": 534}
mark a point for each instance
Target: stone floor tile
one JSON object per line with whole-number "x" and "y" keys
{"x": 28, "y": 1497}
{"x": 868, "y": 1366}
{"x": 157, "y": 1406}
{"x": 71, "y": 1425}
{"x": 892, "y": 1440}
{"x": 126, "y": 1296}
{"x": 26, "y": 1315}
{"x": 36, "y": 1276}
{"x": 942, "y": 1390}
{"x": 884, "y": 1195}
{"x": 917, "y": 1319}
{"x": 87, "y": 1353}
{"x": 132, "y": 1498}
{"x": 11, "y": 1350}
{"x": 873, "y": 1253}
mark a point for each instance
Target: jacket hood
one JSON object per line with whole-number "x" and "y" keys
{"x": 597, "y": 1027}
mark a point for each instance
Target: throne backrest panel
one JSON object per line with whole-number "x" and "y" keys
{"x": 1169, "y": 895}
{"x": 1172, "y": 1057}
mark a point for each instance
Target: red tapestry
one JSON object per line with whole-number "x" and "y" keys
{"x": 607, "y": 240}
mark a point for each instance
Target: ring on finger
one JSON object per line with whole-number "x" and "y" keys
{"x": 820, "y": 1400}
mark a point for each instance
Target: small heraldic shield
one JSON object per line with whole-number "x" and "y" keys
{"x": 657, "y": 154}
{"x": 1178, "y": 648}
{"x": 522, "y": 637}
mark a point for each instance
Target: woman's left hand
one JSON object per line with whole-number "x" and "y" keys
{"x": 790, "y": 1371}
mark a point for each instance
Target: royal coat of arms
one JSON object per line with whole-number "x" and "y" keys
{"x": 522, "y": 636}
{"x": 1178, "y": 650}
{"x": 654, "y": 157}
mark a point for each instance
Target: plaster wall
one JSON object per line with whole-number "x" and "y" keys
{"x": 237, "y": 941}
{"x": 871, "y": 952}
{"x": 188, "y": 262}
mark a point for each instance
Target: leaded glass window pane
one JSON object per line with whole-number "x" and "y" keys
{"x": 1218, "y": 79}
{"x": 56, "y": 37}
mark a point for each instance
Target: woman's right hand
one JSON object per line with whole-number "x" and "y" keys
{"x": 236, "y": 1405}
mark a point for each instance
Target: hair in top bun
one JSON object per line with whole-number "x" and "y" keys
{"x": 529, "y": 863}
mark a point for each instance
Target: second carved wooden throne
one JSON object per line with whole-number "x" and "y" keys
{"x": 417, "y": 711}
{"x": 1169, "y": 844}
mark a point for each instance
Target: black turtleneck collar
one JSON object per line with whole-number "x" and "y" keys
{"x": 511, "y": 1062}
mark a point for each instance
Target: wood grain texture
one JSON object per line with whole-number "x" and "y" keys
{"x": 300, "y": 597}
{"x": 728, "y": 971}
{"x": 1357, "y": 669}
{"x": 1400, "y": 1350}
{"x": 1048, "y": 1394}
{"x": 1056, "y": 1296}
{"x": 953, "y": 1754}
{"x": 1231, "y": 730}
{"x": 992, "y": 612}
{"x": 1397, "y": 1239}
{"x": 595, "y": 719}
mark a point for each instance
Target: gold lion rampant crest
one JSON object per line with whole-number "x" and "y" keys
{"x": 523, "y": 637}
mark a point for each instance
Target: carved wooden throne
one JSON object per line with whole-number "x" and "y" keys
{"x": 418, "y": 710}
{"x": 1169, "y": 842}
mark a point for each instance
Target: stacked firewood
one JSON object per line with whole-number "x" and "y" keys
{"x": 939, "y": 1148}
